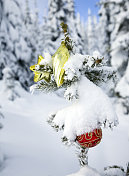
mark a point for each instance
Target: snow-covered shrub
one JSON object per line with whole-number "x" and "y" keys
{"x": 114, "y": 29}
{"x": 9, "y": 84}
{"x": 84, "y": 78}
{"x": 122, "y": 90}
{"x": 90, "y": 111}
{"x": 127, "y": 171}
{"x": 86, "y": 171}
{"x": 114, "y": 171}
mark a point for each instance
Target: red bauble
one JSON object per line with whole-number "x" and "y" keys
{"x": 90, "y": 139}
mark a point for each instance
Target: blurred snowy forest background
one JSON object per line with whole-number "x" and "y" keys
{"x": 24, "y": 36}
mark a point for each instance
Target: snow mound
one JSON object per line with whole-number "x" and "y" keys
{"x": 86, "y": 171}
{"x": 114, "y": 172}
{"x": 47, "y": 60}
{"x": 89, "y": 112}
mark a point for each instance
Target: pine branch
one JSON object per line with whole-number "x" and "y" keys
{"x": 68, "y": 42}
{"x": 46, "y": 86}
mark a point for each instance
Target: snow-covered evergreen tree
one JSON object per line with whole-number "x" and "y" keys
{"x": 119, "y": 27}
{"x": 56, "y": 14}
{"x": 104, "y": 21}
{"x": 92, "y": 33}
{"x": 122, "y": 90}
{"x": 1, "y": 16}
{"x": 114, "y": 28}
{"x": 120, "y": 49}
{"x": 31, "y": 29}
{"x": 1, "y": 114}
{"x": 96, "y": 33}
{"x": 1, "y": 10}
{"x": 80, "y": 76}
{"x": 62, "y": 11}
{"x": 115, "y": 20}
{"x": 36, "y": 28}
{"x": 79, "y": 35}
{"x": 71, "y": 8}
{"x": 114, "y": 17}
{"x": 9, "y": 84}
{"x": 14, "y": 50}
{"x": 45, "y": 44}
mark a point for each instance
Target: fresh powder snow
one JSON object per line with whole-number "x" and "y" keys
{"x": 89, "y": 112}
{"x": 30, "y": 147}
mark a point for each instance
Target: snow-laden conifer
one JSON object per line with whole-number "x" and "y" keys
{"x": 84, "y": 78}
{"x": 8, "y": 89}
{"x": 14, "y": 50}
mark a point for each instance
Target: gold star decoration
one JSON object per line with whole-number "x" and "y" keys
{"x": 38, "y": 73}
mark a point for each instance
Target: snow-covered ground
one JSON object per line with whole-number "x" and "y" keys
{"x": 32, "y": 148}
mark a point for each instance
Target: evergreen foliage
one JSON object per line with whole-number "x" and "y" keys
{"x": 1, "y": 10}
{"x": 92, "y": 32}
{"x": 23, "y": 38}
{"x": 104, "y": 22}
{"x": 114, "y": 17}
{"x": 9, "y": 84}
{"x": 77, "y": 67}
{"x": 14, "y": 50}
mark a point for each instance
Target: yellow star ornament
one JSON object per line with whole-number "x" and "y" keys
{"x": 39, "y": 74}
{"x": 59, "y": 59}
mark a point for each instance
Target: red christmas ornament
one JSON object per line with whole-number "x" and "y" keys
{"x": 90, "y": 139}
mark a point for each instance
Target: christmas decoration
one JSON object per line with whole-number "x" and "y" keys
{"x": 44, "y": 72}
{"x": 81, "y": 76}
{"x": 90, "y": 139}
{"x": 59, "y": 59}
{"x": 39, "y": 72}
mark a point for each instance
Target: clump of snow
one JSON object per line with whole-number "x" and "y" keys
{"x": 114, "y": 172}
{"x": 89, "y": 112}
{"x": 77, "y": 62}
{"x": 8, "y": 89}
{"x": 47, "y": 60}
{"x": 97, "y": 55}
{"x": 123, "y": 87}
{"x": 71, "y": 92}
{"x": 73, "y": 64}
{"x": 32, "y": 88}
{"x": 86, "y": 171}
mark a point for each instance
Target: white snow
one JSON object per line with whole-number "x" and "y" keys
{"x": 123, "y": 87}
{"x": 28, "y": 143}
{"x": 47, "y": 60}
{"x": 31, "y": 147}
{"x": 113, "y": 172}
{"x": 89, "y": 112}
{"x": 75, "y": 64}
{"x": 86, "y": 171}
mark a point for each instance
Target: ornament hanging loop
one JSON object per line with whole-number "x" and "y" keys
{"x": 82, "y": 154}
